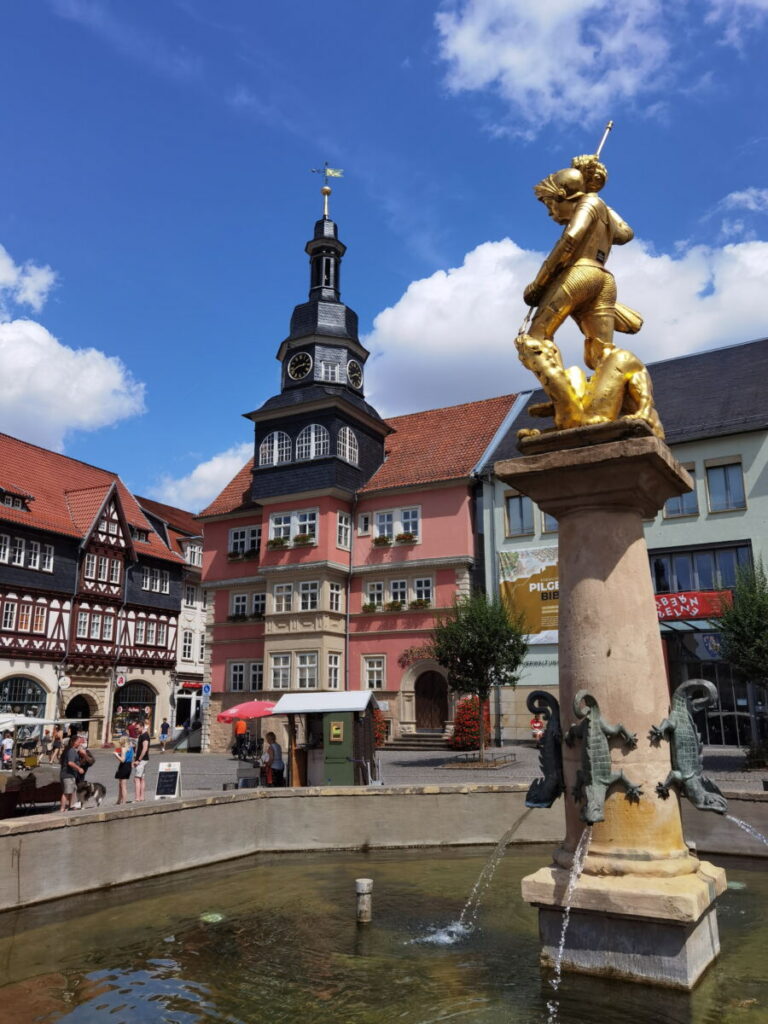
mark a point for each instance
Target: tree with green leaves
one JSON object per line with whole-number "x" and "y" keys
{"x": 744, "y": 623}
{"x": 480, "y": 645}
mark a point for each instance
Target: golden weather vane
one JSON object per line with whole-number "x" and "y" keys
{"x": 327, "y": 172}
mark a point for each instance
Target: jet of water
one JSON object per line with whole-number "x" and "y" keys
{"x": 577, "y": 866}
{"x": 467, "y": 920}
{"x": 748, "y": 829}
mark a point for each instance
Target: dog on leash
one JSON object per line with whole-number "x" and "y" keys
{"x": 90, "y": 791}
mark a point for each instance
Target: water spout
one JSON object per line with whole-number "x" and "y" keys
{"x": 748, "y": 829}
{"x": 467, "y": 919}
{"x": 577, "y": 866}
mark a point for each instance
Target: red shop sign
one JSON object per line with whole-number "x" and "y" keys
{"x": 691, "y": 604}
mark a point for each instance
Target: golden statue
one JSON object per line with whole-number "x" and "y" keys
{"x": 573, "y": 281}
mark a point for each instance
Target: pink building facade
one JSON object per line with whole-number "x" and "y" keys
{"x": 329, "y": 556}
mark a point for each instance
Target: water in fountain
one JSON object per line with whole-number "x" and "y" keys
{"x": 748, "y": 829}
{"x": 577, "y": 866}
{"x": 465, "y": 923}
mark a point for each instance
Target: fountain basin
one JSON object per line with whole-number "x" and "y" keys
{"x": 273, "y": 937}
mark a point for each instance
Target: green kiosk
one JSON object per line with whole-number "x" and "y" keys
{"x": 330, "y": 738}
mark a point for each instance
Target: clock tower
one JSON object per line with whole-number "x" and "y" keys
{"x": 319, "y": 431}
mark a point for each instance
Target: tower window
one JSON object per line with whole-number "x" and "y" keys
{"x": 313, "y": 442}
{"x": 330, "y": 372}
{"x": 327, "y": 272}
{"x": 275, "y": 448}
{"x": 346, "y": 446}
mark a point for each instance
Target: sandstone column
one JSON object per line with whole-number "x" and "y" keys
{"x": 643, "y": 908}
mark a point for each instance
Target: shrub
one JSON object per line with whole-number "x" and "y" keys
{"x": 379, "y": 727}
{"x": 466, "y": 724}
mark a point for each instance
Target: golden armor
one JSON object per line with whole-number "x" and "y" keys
{"x": 573, "y": 281}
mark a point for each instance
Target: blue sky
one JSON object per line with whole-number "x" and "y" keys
{"x": 155, "y": 198}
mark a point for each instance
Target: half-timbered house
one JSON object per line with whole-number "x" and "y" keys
{"x": 90, "y": 593}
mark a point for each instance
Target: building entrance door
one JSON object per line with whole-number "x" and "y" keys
{"x": 431, "y": 692}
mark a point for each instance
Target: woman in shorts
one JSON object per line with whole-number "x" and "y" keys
{"x": 124, "y": 755}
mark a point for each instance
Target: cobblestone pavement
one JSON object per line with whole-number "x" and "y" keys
{"x": 204, "y": 774}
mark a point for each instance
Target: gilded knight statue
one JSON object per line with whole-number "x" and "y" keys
{"x": 574, "y": 281}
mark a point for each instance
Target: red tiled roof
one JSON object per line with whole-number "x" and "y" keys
{"x": 235, "y": 496}
{"x": 439, "y": 444}
{"x": 177, "y": 518}
{"x": 66, "y": 494}
{"x": 427, "y": 447}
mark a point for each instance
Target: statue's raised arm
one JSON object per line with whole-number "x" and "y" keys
{"x": 574, "y": 281}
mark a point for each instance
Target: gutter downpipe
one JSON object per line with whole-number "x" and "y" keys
{"x": 349, "y": 591}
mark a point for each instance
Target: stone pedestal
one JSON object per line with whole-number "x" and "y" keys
{"x": 600, "y": 483}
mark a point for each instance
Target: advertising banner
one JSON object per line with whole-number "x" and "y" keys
{"x": 691, "y": 604}
{"x": 528, "y": 582}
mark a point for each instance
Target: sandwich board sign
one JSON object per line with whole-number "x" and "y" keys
{"x": 168, "y": 785}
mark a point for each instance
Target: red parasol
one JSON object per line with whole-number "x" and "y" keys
{"x": 249, "y": 709}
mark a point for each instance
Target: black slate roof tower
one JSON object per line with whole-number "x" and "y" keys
{"x": 319, "y": 432}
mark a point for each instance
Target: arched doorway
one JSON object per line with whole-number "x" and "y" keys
{"x": 431, "y": 691}
{"x": 20, "y": 695}
{"x": 78, "y": 707}
{"x": 134, "y": 702}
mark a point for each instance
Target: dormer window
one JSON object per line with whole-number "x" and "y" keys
{"x": 15, "y": 501}
{"x": 138, "y": 534}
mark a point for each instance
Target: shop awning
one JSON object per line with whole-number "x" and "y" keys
{"x": 689, "y": 626}
{"x": 318, "y": 703}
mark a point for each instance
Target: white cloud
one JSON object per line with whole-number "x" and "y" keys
{"x": 450, "y": 337}
{"x": 564, "y": 60}
{"x": 23, "y": 284}
{"x": 48, "y": 389}
{"x": 195, "y": 490}
{"x": 573, "y": 61}
{"x": 753, "y": 199}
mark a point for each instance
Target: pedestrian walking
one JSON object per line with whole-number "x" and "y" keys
{"x": 165, "y": 732}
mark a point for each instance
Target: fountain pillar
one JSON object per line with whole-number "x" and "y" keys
{"x": 644, "y": 907}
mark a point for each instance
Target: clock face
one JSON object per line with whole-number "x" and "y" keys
{"x": 355, "y": 373}
{"x": 299, "y": 365}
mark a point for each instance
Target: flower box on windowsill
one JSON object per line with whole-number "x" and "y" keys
{"x": 303, "y": 539}
{"x": 250, "y": 554}
{"x": 234, "y": 556}
{"x": 395, "y": 606}
{"x": 256, "y": 617}
{"x": 237, "y": 618}
{"x": 420, "y": 602}
{"x": 277, "y": 543}
{"x": 369, "y": 606}
{"x": 382, "y": 541}
{"x": 406, "y": 538}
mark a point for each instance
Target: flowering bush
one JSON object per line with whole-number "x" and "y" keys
{"x": 466, "y": 724}
{"x": 379, "y": 727}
